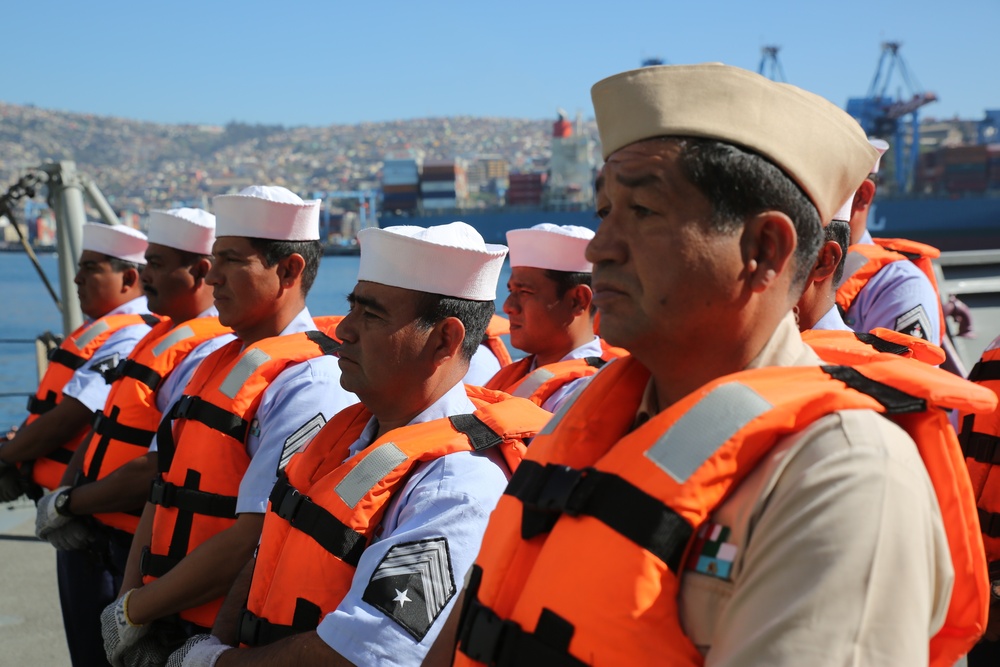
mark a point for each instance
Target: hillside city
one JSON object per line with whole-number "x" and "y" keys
{"x": 141, "y": 165}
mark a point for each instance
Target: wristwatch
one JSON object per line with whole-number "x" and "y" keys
{"x": 62, "y": 503}
{"x": 995, "y": 590}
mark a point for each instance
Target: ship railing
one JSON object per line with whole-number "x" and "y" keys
{"x": 973, "y": 277}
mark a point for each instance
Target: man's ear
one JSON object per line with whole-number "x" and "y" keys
{"x": 200, "y": 269}
{"x": 767, "y": 244}
{"x": 130, "y": 279}
{"x": 449, "y": 335}
{"x": 290, "y": 269}
{"x": 830, "y": 255}
{"x": 581, "y": 297}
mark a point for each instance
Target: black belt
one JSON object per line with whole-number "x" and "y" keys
{"x": 166, "y": 494}
{"x": 257, "y": 631}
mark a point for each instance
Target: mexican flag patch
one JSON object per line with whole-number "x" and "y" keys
{"x": 711, "y": 554}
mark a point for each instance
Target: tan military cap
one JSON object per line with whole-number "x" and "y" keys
{"x": 816, "y": 143}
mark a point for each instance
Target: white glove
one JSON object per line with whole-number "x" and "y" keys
{"x": 74, "y": 536}
{"x": 120, "y": 634}
{"x": 199, "y": 651}
{"x": 48, "y": 518}
{"x": 147, "y": 652}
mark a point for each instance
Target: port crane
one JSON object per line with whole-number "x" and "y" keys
{"x": 366, "y": 205}
{"x": 769, "y": 65}
{"x": 893, "y": 118}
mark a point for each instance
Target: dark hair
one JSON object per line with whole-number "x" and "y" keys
{"x": 189, "y": 258}
{"x": 474, "y": 315}
{"x": 275, "y": 251}
{"x": 839, "y": 231}
{"x": 120, "y": 265}
{"x": 740, "y": 183}
{"x": 567, "y": 280}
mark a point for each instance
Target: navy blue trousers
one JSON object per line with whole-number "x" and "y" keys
{"x": 89, "y": 582}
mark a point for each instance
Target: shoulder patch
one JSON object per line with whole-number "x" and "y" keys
{"x": 712, "y": 554}
{"x": 105, "y": 366}
{"x": 413, "y": 584}
{"x": 298, "y": 440}
{"x": 914, "y": 322}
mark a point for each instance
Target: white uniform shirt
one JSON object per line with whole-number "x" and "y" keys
{"x": 835, "y": 547}
{"x": 832, "y": 321}
{"x": 482, "y": 367}
{"x": 443, "y": 508}
{"x": 89, "y": 383}
{"x": 556, "y": 400}
{"x": 293, "y": 408}
{"x": 899, "y": 297}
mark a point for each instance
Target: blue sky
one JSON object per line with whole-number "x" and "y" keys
{"x": 314, "y": 62}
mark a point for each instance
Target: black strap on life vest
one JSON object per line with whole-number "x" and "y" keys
{"x": 596, "y": 362}
{"x": 39, "y": 406}
{"x": 327, "y": 530}
{"x": 109, "y": 428}
{"x": 194, "y": 408}
{"x": 547, "y": 492}
{"x": 989, "y": 523}
{"x": 327, "y": 345}
{"x": 894, "y": 401}
{"x": 139, "y": 372}
{"x": 66, "y": 358}
{"x": 881, "y": 344}
{"x": 191, "y": 500}
{"x": 487, "y": 638}
{"x": 985, "y": 371}
{"x": 981, "y": 447}
{"x": 257, "y": 631}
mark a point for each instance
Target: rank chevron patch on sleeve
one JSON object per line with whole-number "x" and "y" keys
{"x": 412, "y": 584}
{"x": 914, "y": 322}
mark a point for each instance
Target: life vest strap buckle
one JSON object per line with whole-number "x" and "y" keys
{"x": 482, "y": 635}
{"x": 558, "y": 493}
{"x": 183, "y": 406}
{"x": 162, "y": 493}
{"x": 288, "y": 504}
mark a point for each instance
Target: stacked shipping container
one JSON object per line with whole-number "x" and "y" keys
{"x": 443, "y": 185}
{"x": 400, "y": 185}
{"x": 526, "y": 189}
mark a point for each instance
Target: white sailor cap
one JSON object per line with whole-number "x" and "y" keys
{"x": 188, "y": 229}
{"x": 881, "y": 145}
{"x": 844, "y": 212}
{"x": 548, "y": 246}
{"x": 452, "y": 260}
{"x": 118, "y": 241}
{"x": 785, "y": 124}
{"x": 267, "y": 212}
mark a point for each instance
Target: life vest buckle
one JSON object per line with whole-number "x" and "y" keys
{"x": 99, "y": 420}
{"x": 288, "y": 505}
{"x": 183, "y": 406}
{"x": 162, "y": 493}
{"x": 558, "y": 491}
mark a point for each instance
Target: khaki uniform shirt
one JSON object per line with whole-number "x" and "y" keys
{"x": 838, "y": 551}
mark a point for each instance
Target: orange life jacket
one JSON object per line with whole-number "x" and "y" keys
{"x": 326, "y": 507}
{"x": 202, "y": 449}
{"x": 78, "y": 348}
{"x": 498, "y": 326}
{"x": 883, "y": 253}
{"x": 598, "y": 502}
{"x": 127, "y": 424}
{"x": 538, "y": 385}
{"x": 980, "y": 438}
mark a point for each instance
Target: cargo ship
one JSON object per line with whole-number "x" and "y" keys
{"x": 952, "y": 199}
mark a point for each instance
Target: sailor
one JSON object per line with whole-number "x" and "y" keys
{"x": 76, "y": 382}
{"x": 550, "y": 306}
{"x": 880, "y": 288}
{"x": 247, "y": 408}
{"x": 106, "y": 484}
{"x": 372, "y": 528}
{"x": 719, "y": 496}
{"x": 980, "y": 436}
{"x": 817, "y": 307}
